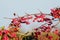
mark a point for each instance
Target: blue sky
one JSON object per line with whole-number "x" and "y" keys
{"x": 8, "y": 7}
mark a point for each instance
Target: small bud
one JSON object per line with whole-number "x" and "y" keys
{"x": 14, "y": 14}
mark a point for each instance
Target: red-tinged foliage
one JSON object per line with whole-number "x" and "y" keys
{"x": 13, "y": 35}
{"x": 44, "y": 32}
{"x": 15, "y": 21}
{"x": 5, "y": 37}
{"x": 50, "y": 37}
{"x": 55, "y": 12}
{"x": 24, "y": 20}
{"x": 56, "y": 32}
{"x": 29, "y": 17}
{"x": 0, "y": 32}
{"x": 39, "y": 18}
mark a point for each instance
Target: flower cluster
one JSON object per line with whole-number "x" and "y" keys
{"x": 44, "y": 32}
{"x": 7, "y": 34}
{"x": 55, "y": 12}
{"x": 36, "y": 18}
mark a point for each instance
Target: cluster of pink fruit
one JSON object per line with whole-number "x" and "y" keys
{"x": 37, "y": 18}
{"x": 11, "y": 34}
{"x": 6, "y": 34}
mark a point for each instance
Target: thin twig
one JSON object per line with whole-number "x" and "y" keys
{"x": 7, "y": 18}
